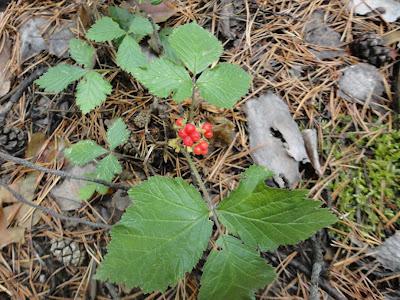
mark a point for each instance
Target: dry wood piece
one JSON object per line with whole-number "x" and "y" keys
{"x": 311, "y": 144}
{"x": 388, "y": 254}
{"x": 275, "y": 138}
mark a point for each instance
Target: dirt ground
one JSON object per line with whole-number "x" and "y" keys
{"x": 268, "y": 39}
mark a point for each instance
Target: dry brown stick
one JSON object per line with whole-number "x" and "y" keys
{"x": 317, "y": 267}
{"x": 63, "y": 174}
{"x": 51, "y": 212}
{"x": 15, "y": 94}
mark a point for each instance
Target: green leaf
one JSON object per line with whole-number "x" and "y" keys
{"x": 162, "y": 77}
{"x": 121, "y": 15}
{"x": 86, "y": 192}
{"x": 140, "y": 25}
{"x": 195, "y": 46}
{"x": 130, "y": 55}
{"x": 224, "y": 84}
{"x": 107, "y": 169}
{"x": 105, "y": 29}
{"x": 268, "y": 217}
{"x": 234, "y": 273}
{"x": 117, "y": 134}
{"x": 92, "y": 91}
{"x": 84, "y": 152}
{"x": 82, "y": 52}
{"x": 159, "y": 238}
{"x": 57, "y": 78}
{"x": 168, "y": 51}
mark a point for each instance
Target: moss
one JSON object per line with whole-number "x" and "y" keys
{"x": 369, "y": 191}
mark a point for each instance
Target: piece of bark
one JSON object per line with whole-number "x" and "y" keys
{"x": 311, "y": 144}
{"x": 275, "y": 139}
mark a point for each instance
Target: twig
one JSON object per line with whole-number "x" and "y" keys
{"x": 203, "y": 189}
{"x": 317, "y": 267}
{"x": 396, "y": 96}
{"x": 51, "y": 212}
{"x": 15, "y": 94}
{"x": 60, "y": 173}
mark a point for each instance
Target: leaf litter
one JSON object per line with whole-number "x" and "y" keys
{"x": 273, "y": 34}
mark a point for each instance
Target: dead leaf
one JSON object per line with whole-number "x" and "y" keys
{"x": 9, "y": 235}
{"x": 159, "y": 13}
{"x": 66, "y": 194}
{"x": 318, "y": 33}
{"x": 275, "y": 138}
{"x": 120, "y": 200}
{"x": 5, "y": 74}
{"x": 388, "y": 254}
{"x": 362, "y": 83}
{"x": 35, "y": 144}
{"x": 311, "y": 144}
{"x": 388, "y": 9}
{"x": 40, "y": 34}
{"x": 226, "y": 18}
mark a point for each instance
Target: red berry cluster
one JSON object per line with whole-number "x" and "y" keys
{"x": 191, "y": 136}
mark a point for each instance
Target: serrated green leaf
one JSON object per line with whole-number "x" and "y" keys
{"x": 92, "y": 91}
{"x": 108, "y": 168}
{"x": 105, "y": 29}
{"x": 162, "y": 77}
{"x": 196, "y": 47}
{"x": 268, "y": 217}
{"x": 120, "y": 15}
{"x": 84, "y": 152}
{"x": 141, "y": 26}
{"x": 57, "y": 78}
{"x": 234, "y": 273}
{"x": 159, "y": 238}
{"x": 168, "y": 51}
{"x": 224, "y": 84}
{"x": 130, "y": 56}
{"x": 86, "y": 192}
{"x": 117, "y": 134}
{"x": 82, "y": 52}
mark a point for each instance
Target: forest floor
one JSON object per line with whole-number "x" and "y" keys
{"x": 272, "y": 40}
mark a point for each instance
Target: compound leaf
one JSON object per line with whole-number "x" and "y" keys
{"x": 195, "y": 46}
{"x": 86, "y": 192}
{"x": 106, "y": 170}
{"x": 141, "y": 26}
{"x": 159, "y": 238}
{"x": 57, "y": 78}
{"x": 105, "y": 29}
{"x": 82, "y": 52}
{"x": 268, "y": 217}
{"x": 235, "y": 272}
{"x": 224, "y": 84}
{"x": 129, "y": 55}
{"x": 117, "y": 134}
{"x": 84, "y": 152}
{"x": 92, "y": 91}
{"x": 162, "y": 77}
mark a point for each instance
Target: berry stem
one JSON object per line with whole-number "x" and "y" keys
{"x": 203, "y": 189}
{"x": 194, "y": 100}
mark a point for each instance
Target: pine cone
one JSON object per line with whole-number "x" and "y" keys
{"x": 12, "y": 140}
{"x": 67, "y": 252}
{"x": 370, "y": 47}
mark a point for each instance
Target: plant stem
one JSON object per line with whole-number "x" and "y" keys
{"x": 194, "y": 100}
{"x": 203, "y": 189}
{"x": 51, "y": 212}
{"x": 63, "y": 174}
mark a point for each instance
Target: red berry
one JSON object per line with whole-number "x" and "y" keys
{"x": 179, "y": 122}
{"x": 189, "y": 128}
{"x": 207, "y": 126}
{"x": 182, "y": 134}
{"x": 195, "y": 136}
{"x": 208, "y": 134}
{"x": 204, "y": 152}
{"x": 187, "y": 141}
{"x": 203, "y": 145}
{"x": 197, "y": 150}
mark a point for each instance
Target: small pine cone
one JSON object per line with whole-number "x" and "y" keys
{"x": 142, "y": 118}
{"x": 371, "y": 48}
{"x": 67, "y": 252}
{"x": 12, "y": 140}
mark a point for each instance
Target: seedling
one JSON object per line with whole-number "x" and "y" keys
{"x": 169, "y": 226}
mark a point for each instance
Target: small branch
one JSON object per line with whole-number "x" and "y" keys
{"x": 51, "y": 212}
{"x": 63, "y": 174}
{"x": 317, "y": 267}
{"x": 17, "y": 92}
{"x": 203, "y": 189}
